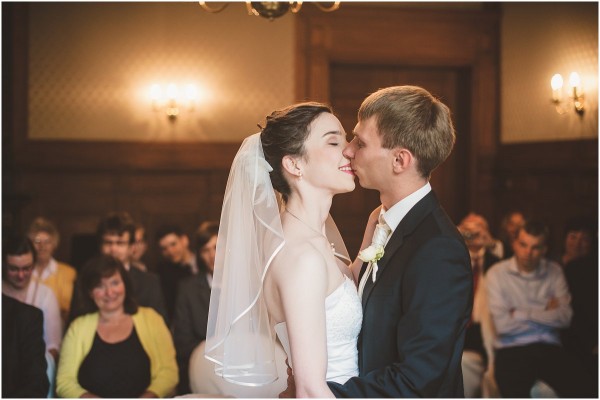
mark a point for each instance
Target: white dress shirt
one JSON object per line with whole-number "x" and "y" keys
{"x": 518, "y": 302}
{"x": 398, "y": 211}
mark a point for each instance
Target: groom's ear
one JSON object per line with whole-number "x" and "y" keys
{"x": 290, "y": 165}
{"x": 403, "y": 159}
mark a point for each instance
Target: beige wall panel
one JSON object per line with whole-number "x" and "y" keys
{"x": 91, "y": 66}
{"x": 539, "y": 40}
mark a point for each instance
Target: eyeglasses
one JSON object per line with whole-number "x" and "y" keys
{"x": 40, "y": 242}
{"x": 15, "y": 270}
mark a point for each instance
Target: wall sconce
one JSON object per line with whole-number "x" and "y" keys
{"x": 576, "y": 96}
{"x": 271, "y": 9}
{"x": 171, "y": 99}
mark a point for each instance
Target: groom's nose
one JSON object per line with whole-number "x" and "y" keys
{"x": 348, "y": 151}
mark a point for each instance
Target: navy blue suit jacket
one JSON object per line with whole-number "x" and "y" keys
{"x": 416, "y": 313}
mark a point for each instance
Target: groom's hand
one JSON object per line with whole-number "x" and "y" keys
{"x": 290, "y": 391}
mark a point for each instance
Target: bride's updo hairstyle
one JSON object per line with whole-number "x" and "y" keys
{"x": 284, "y": 134}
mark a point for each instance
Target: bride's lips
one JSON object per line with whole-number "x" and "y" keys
{"x": 347, "y": 169}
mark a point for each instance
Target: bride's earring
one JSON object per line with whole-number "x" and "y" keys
{"x": 299, "y": 174}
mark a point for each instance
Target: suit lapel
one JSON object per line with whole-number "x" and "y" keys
{"x": 205, "y": 293}
{"x": 408, "y": 224}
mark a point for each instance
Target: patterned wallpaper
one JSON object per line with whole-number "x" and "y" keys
{"x": 91, "y": 66}
{"x": 539, "y": 40}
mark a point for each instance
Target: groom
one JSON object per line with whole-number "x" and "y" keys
{"x": 417, "y": 308}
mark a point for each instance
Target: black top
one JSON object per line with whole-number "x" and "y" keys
{"x": 116, "y": 369}
{"x": 23, "y": 350}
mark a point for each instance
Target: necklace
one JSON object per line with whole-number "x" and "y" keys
{"x": 311, "y": 228}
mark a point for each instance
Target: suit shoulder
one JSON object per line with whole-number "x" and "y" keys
{"x": 144, "y": 276}
{"x": 194, "y": 283}
{"x": 14, "y": 306}
{"x": 438, "y": 231}
{"x": 444, "y": 224}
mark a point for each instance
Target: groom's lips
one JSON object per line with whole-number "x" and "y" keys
{"x": 347, "y": 169}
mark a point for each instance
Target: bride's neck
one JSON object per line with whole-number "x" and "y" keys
{"x": 311, "y": 210}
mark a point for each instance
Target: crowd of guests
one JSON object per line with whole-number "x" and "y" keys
{"x": 111, "y": 328}
{"x": 534, "y": 325}
{"x": 115, "y": 329}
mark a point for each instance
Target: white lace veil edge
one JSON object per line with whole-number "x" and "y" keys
{"x": 335, "y": 238}
{"x": 239, "y": 338}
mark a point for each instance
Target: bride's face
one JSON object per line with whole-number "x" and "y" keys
{"x": 325, "y": 165}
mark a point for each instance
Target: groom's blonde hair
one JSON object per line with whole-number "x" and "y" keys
{"x": 411, "y": 118}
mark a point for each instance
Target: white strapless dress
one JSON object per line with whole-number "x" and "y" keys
{"x": 343, "y": 317}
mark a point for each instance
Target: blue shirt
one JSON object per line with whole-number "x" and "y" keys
{"x": 518, "y": 301}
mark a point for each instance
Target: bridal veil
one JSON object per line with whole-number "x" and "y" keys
{"x": 239, "y": 339}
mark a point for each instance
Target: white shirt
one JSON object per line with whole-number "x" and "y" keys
{"x": 518, "y": 301}
{"x": 42, "y": 297}
{"x": 50, "y": 270}
{"x": 398, "y": 211}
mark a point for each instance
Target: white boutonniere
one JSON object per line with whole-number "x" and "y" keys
{"x": 371, "y": 254}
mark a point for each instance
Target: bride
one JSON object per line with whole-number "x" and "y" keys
{"x": 281, "y": 266}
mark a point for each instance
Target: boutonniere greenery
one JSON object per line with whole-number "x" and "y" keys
{"x": 371, "y": 254}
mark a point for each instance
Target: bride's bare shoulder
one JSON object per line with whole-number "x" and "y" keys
{"x": 299, "y": 257}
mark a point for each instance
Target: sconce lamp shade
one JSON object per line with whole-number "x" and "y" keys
{"x": 556, "y": 82}
{"x": 574, "y": 80}
{"x": 575, "y": 97}
{"x": 171, "y": 100}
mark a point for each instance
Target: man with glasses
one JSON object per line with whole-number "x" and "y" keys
{"x": 18, "y": 260}
{"x": 19, "y": 257}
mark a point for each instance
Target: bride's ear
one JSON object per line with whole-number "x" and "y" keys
{"x": 290, "y": 164}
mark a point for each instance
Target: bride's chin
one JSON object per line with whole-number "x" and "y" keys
{"x": 348, "y": 188}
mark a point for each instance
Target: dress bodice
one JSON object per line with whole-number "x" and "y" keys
{"x": 343, "y": 318}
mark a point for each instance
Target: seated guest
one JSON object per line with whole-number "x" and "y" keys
{"x": 578, "y": 240}
{"x": 581, "y": 338}
{"x": 116, "y": 233}
{"x": 478, "y": 351}
{"x": 138, "y": 249}
{"x": 492, "y": 245}
{"x": 509, "y": 226}
{"x": 116, "y": 349}
{"x": 193, "y": 298}
{"x": 23, "y": 351}
{"x": 530, "y": 302}
{"x": 179, "y": 262}
{"x": 58, "y": 276}
{"x": 19, "y": 259}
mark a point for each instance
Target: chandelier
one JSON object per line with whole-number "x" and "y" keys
{"x": 271, "y": 9}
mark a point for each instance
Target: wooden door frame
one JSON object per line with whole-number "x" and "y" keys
{"x": 465, "y": 38}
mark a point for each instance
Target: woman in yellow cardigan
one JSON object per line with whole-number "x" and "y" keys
{"x": 117, "y": 349}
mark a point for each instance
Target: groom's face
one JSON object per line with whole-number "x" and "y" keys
{"x": 370, "y": 161}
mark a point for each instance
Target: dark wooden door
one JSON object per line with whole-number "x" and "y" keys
{"x": 350, "y": 84}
